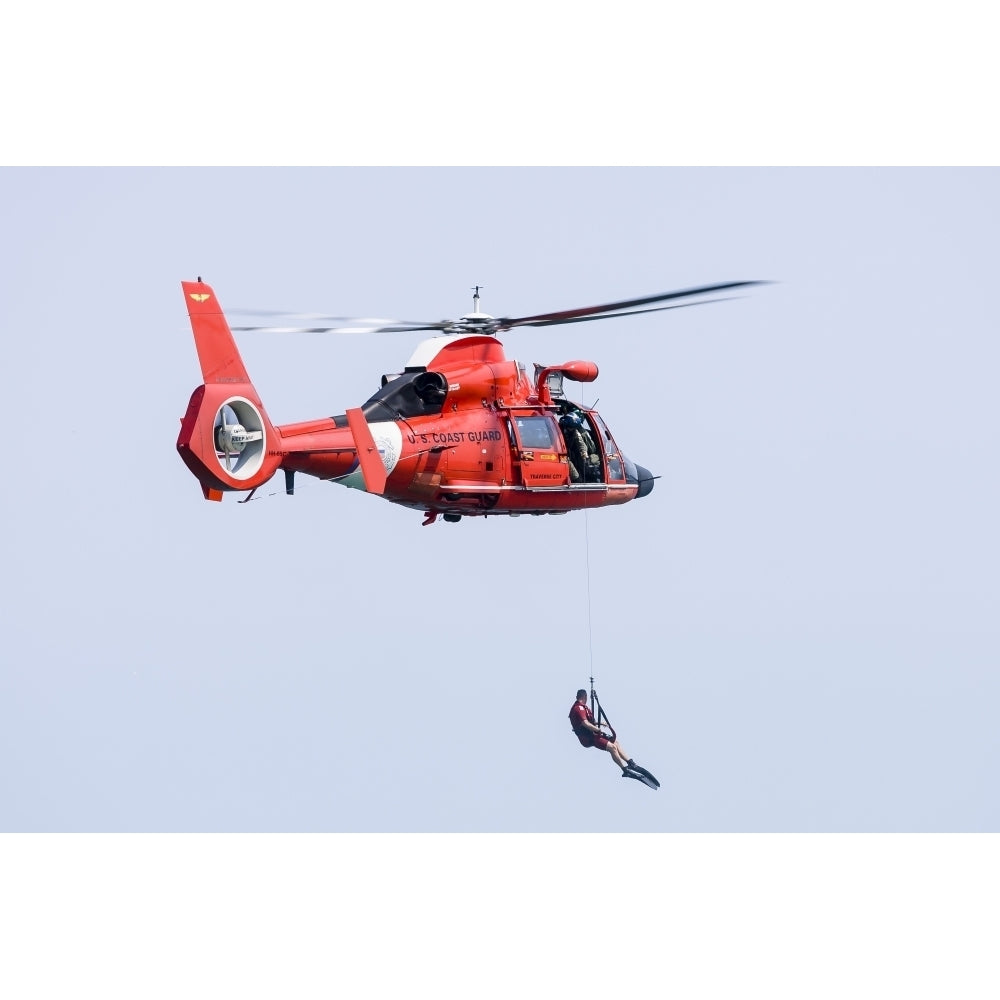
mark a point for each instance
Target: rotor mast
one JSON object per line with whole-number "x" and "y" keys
{"x": 476, "y": 321}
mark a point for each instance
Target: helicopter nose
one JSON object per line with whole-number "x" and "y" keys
{"x": 642, "y": 477}
{"x": 646, "y": 479}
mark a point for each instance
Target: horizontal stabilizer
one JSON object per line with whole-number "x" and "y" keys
{"x": 372, "y": 467}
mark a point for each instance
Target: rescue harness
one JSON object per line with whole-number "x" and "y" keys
{"x": 599, "y": 713}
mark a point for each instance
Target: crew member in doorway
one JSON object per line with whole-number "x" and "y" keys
{"x": 584, "y": 462}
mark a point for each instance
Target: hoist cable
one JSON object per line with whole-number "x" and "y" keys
{"x": 596, "y": 706}
{"x": 590, "y": 625}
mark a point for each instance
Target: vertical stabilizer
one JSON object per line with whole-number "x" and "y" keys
{"x": 220, "y": 360}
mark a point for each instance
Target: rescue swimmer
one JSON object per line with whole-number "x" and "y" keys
{"x": 591, "y": 733}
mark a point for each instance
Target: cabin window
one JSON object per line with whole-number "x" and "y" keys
{"x": 536, "y": 432}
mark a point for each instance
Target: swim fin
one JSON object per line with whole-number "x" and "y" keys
{"x": 646, "y": 778}
{"x": 635, "y": 767}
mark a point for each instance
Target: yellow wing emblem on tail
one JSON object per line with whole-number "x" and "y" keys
{"x": 200, "y": 296}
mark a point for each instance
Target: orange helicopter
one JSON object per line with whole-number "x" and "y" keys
{"x": 461, "y": 432}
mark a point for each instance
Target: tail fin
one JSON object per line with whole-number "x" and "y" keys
{"x": 217, "y": 352}
{"x": 226, "y": 439}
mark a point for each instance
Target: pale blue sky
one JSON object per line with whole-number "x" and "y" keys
{"x": 796, "y": 631}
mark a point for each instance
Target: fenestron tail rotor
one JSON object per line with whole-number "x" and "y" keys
{"x": 238, "y": 433}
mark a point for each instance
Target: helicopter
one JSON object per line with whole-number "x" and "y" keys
{"x": 460, "y": 432}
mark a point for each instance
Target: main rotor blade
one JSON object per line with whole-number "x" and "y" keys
{"x": 630, "y": 312}
{"x": 285, "y": 313}
{"x": 357, "y": 326}
{"x": 616, "y": 308}
{"x": 327, "y": 317}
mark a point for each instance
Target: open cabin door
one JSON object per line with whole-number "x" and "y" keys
{"x": 614, "y": 467}
{"x": 591, "y": 450}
